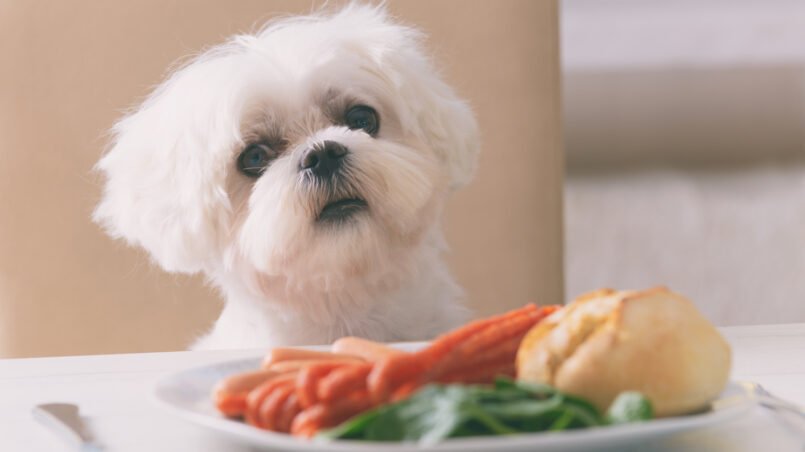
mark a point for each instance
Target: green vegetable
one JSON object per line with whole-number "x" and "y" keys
{"x": 438, "y": 411}
{"x": 629, "y": 407}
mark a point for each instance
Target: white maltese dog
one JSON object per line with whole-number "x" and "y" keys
{"x": 304, "y": 171}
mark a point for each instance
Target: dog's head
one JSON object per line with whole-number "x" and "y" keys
{"x": 317, "y": 148}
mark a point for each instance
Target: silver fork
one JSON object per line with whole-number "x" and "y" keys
{"x": 790, "y": 413}
{"x": 64, "y": 420}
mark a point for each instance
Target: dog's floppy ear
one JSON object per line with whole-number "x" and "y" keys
{"x": 452, "y": 130}
{"x": 166, "y": 172}
{"x": 446, "y": 120}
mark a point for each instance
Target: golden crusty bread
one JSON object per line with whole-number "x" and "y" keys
{"x": 605, "y": 342}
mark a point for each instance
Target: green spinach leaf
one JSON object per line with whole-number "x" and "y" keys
{"x": 437, "y": 412}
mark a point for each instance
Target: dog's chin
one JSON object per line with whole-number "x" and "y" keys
{"x": 342, "y": 210}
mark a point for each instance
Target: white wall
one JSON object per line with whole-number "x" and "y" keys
{"x": 685, "y": 136}
{"x": 706, "y": 81}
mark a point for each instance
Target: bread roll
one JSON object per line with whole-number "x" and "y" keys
{"x": 606, "y": 342}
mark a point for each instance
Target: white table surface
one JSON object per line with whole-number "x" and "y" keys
{"x": 114, "y": 393}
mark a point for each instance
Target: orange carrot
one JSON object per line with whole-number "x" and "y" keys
{"x": 389, "y": 374}
{"x": 345, "y": 408}
{"x": 297, "y": 365}
{"x": 447, "y": 342}
{"x": 364, "y": 348}
{"x": 307, "y": 382}
{"x": 258, "y": 395}
{"x": 289, "y": 411}
{"x": 513, "y": 327}
{"x": 506, "y": 348}
{"x": 307, "y": 422}
{"x": 404, "y": 391}
{"x": 322, "y": 389}
{"x": 342, "y": 381}
{"x": 230, "y": 393}
{"x": 481, "y": 373}
{"x": 501, "y": 338}
{"x": 270, "y": 407}
{"x": 282, "y": 354}
{"x": 319, "y": 416}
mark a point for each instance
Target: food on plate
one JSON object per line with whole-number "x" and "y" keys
{"x": 363, "y": 348}
{"x": 607, "y": 358}
{"x": 299, "y": 364}
{"x": 629, "y": 406}
{"x": 653, "y": 341}
{"x": 437, "y": 412}
{"x": 474, "y": 353}
{"x": 230, "y": 393}
{"x": 324, "y": 392}
{"x": 278, "y": 355}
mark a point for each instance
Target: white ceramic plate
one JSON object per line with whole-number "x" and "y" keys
{"x": 187, "y": 395}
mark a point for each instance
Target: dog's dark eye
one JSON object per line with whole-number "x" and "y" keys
{"x": 254, "y": 159}
{"x": 362, "y": 117}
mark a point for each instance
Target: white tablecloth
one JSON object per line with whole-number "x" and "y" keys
{"x": 114, "y": 393}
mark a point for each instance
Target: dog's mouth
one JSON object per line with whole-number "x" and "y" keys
{"x": 341, "y": 210}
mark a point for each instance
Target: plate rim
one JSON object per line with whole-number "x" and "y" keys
{"x": 742, "y": 404}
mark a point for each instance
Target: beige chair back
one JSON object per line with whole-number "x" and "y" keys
{"x": 71, "y": 68}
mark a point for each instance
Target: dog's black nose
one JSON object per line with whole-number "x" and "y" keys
{"x": 324, "y": 159}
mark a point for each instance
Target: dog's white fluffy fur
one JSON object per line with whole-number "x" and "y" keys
{"x": 173, "y": 185}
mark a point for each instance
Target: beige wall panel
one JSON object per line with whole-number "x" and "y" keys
{"x": 71, "y": 68}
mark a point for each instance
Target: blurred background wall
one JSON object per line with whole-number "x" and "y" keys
{"x": 684, "y": 125}
{"x": 71, "y": 68}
